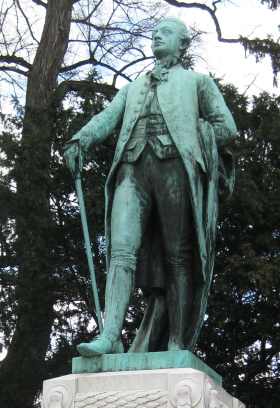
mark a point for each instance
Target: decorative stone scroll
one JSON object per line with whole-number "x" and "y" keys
{"x": 58, "y": 396}
{"x": 187, "y": 393}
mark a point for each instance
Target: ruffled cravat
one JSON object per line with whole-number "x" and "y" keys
{"x": 161, "y": 70}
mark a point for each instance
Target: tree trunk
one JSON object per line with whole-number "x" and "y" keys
{"x": 23, "y": 369}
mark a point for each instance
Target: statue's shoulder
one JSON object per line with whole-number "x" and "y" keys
{"x": 142, "y": 79}
{"x": 203, "y": 82}
{"x": 135, "y": 87}
{"x": 203, "y": 79}
{"x": 193, "y": 75}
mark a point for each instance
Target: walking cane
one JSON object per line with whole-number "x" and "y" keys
{"x": 80, "y": 195}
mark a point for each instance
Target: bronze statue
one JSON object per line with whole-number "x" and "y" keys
{"x": 161, "y": 196}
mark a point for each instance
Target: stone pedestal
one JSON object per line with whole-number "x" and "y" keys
{"x": 149, "y": 388}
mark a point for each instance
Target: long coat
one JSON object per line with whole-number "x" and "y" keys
{"x": 200, "y": 125}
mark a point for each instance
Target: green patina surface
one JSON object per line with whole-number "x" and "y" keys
{"x": 142, "y": 361}
{"x": 161, "y": 204}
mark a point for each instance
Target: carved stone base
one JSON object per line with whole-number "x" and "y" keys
{"x": 166, "y": 388}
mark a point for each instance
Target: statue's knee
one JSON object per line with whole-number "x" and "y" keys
{"x": 124, "y": 258}
{"x": 177, "y": 261}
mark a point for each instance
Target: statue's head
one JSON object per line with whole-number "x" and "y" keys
{"x": 170, "y": 38}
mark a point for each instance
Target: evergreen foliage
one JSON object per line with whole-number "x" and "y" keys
{"x": 241, "y": 335}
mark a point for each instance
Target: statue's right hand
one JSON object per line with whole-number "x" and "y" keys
{"x": 73, "y": 156}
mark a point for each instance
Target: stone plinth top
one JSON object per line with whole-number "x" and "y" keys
{"x": 142, "y": 361}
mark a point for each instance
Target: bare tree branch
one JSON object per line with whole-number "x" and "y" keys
{"x": 103, "y": 31}
{"x": 118, "y": 30}
{"x": 128, "y": 66}
{"x": 13, "y": 59}
{"x": 215, "y": 4}
{"x": 250, "y": 84}
{"x": 40, "y": 3}
{"x": 13, "y": 81}
{"x": 112, "y": 48}
{"x": 92, "y": 61}
{"x": 87, "y": 18}
{"x": 210, "y": 11}
{"x": 27, "y": 21}
{"x": 4, "y": 16}
{"x": 14, "y": 69}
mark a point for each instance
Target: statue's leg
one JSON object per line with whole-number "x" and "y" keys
{"x": 130, "y": 211}
{"x": 153, "y": 327}
{"x": 176, "y": 222}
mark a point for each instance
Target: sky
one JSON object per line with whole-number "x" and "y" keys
{"x": 228, "y": 61}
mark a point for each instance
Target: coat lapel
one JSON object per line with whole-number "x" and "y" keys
{"x": 178, "y": 102}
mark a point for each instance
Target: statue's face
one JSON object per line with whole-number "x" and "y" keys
{"x": 166, "y": 40}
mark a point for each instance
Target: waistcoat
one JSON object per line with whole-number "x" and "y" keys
{"x": 151, "y": 130}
